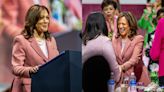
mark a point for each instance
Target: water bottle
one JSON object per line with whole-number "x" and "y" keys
{"x": 125, "y": 84}
{"x": 140, "y": 87}
{"x": 111, "y": 83}
{"x": 132, "y": 83}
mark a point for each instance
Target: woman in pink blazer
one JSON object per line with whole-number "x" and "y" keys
{"x": 128, "y": 47}
{"x": 34, "y": 47}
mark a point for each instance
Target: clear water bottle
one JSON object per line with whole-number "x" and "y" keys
{"x": 111, "y": 83}
{"x": 133, "y": 83}
{"x": 125, "y": 84}
{"x": 140, "y": 87}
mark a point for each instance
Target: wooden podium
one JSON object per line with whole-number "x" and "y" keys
{"x": 61, "y": 74}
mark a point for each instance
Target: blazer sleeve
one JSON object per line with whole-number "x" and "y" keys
{"x": 109, "y": 54}
{"x": 18, "y": 59}
{"x": 156, "y": 45}
{"x": 136, "y": 54}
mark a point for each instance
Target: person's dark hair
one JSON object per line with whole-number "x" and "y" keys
{"x": 95, "y": 26}
{"x": 132, "y": 21}
{"x": 158, "y": 16}
{"x": 159, "y": 12}
{"x": 31, "y": 19}
{"x": 162, "y": 3}
{"x": 108, "y": 2}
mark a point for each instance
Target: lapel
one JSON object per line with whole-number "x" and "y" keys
{"x": 37, "y": 49}
{"x": 127, "y": 45}
{"x": 118, "y": 48}
{"x": 50, "y": 49}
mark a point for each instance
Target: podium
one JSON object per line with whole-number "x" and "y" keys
{"x": 61, "y": 74}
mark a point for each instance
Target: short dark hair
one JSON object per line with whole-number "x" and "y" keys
{"x": 31, "y": 19}
{"x": 108, "y": 2}
{"x": 160, "y": 11}
{"x": 95, "y": 26}
{"x": 132, "y": 21}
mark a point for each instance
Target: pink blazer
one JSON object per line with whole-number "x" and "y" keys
{"x": 26, "y": 54}
{"x": 14, "y": 12}
{"x": 130, "y": 57}
{"x": 102, "y": 45}
{"x": 157, "y": 50}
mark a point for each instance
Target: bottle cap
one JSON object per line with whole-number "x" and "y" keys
{"x": 132, "y": 73}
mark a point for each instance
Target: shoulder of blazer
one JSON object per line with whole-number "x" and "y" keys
{"x": 51, "y": 38}
{"x": 138, "y": 39}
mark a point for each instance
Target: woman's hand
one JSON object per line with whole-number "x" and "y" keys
{"x": 34, "y": 69}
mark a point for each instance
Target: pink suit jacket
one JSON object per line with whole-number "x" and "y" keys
{"x": 157, "y": 50}
{"x": 27, "y": 54}
{"x": 14, "y": 12}
{"x": 130, "y": 57}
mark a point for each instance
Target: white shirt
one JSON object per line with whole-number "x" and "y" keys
{"x": 43, "y": 46}
{"x": 123, "y": 45}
